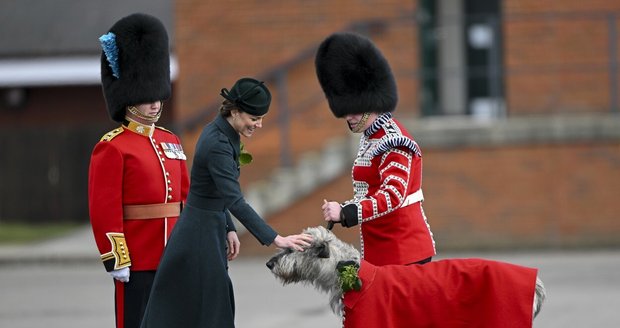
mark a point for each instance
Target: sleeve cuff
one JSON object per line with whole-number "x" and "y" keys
{"x": 118, "y": 256}
{"x": 348, "y": 215}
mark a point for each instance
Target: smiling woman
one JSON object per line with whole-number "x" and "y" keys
{"x": 192, "y": 287}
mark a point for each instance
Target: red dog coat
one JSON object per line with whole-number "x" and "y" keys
{"x": 456, "y": 293}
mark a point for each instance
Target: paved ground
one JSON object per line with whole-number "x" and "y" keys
{"x": 61, "y": 284}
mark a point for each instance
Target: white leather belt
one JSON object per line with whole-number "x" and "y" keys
{"x": 413, "y": 198}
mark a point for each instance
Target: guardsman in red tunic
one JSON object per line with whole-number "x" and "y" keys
{"x": 138, "y": 177}
{"x": 387, "y": 172}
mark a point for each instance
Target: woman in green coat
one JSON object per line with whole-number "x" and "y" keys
{"x": 192, "y": 287}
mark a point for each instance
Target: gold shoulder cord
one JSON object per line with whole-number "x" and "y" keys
{"x": 112, "y": 134}
{"x": 163, "y": 129}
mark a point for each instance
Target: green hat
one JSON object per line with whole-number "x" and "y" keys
{"x": 249, "y": 95}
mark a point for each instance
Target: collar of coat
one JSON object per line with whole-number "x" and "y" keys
{"x": 229, "y": 132}
{"x": 378, "y": 123}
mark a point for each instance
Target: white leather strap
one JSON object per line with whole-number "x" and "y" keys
{"x": 413, "y": 198}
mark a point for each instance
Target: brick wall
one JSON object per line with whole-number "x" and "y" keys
{"x": 218, "y": 42}
{"x": 514, "y": 197}
{"x": 558, "y": 56}
{"x": 535, "y": 195}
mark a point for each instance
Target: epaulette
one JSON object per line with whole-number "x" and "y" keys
{"x": 392, "y": 141}
{"x": 112, "y": 134}
{"x": 164, "y": 129}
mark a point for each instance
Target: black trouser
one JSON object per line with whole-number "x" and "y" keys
{"x": 131, "y": 298}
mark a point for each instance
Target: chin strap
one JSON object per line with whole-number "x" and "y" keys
{"x": 154, "y": 118}
{"x": 359, "y": 127}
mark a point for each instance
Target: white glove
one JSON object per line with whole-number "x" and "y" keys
{"x": 121, "y": 275}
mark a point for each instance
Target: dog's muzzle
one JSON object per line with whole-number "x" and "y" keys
{"x": 272, "y": 263}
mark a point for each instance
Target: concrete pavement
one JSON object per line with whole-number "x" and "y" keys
{"x": 60, "y": 283}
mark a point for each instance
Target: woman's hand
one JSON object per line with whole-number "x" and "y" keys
{"x": 331, "y": 211}
{"x": 232, "y": 240}
{"x": 296, "y": 242}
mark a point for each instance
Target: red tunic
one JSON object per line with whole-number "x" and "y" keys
{"x": 457, "y": 293}
{"x": 388, "y": 168}
{"x": 130, "y": 167}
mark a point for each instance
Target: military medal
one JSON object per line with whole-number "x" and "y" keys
{"x": 173, "y": 151}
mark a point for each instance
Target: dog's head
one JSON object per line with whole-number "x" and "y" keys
{"x": 317, "y": 263}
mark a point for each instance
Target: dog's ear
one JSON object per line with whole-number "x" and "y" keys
{"x": 323, "y": 251}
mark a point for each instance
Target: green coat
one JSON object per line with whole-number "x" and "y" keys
{"x": 192, "y": 287}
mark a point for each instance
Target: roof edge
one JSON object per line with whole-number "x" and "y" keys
{"x": 57, "y": 71}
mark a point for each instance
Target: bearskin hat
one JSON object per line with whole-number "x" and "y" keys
{"x": 135, "y": 63}
{"x": 354, "y": 75}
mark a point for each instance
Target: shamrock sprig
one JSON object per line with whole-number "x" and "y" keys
{"x": 349, "y": 279}
{"x": 244, "y": 156}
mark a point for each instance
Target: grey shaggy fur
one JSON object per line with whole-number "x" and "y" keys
{"x": 317, "y": 266}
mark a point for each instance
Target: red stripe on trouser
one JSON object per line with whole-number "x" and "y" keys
{"x": 119, "y": 303}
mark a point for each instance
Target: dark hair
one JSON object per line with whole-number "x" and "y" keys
{"x": 227, "y": 107}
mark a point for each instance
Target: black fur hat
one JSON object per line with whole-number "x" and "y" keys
{"x": 249, "y": 95}
{"x": 355, "y": 76}
{"x": 135, "y": 63}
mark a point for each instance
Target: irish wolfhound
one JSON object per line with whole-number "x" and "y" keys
{"x": 445, "y": 293}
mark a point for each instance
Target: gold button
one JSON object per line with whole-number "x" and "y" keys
{"x": 169, "y": 188}
{"x": 169, "y": 196}
{"x": 169, "y": 182}
{"x": 167, "y": 173}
